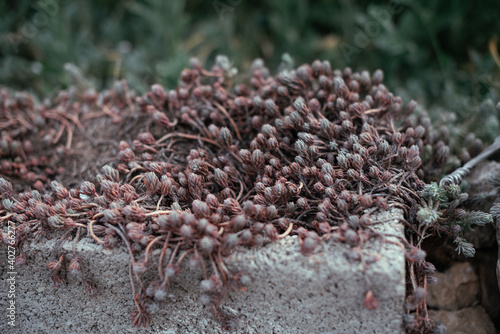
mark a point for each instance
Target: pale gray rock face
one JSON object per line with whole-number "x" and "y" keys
{"x": 465, "y": 321}
{"x": 482, "y": 194}
{"x": 288, "y": 293}
{"x": 486, "y": 265}
{"x": 485, "y": 195}
{"x": 498, "y": 261}
{"x": 456, "y": 288}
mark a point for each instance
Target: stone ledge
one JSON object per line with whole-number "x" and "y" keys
{"x": 289, "y": 292}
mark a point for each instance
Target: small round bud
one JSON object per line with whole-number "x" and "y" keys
{"x": 206, "y": 285}
{"x": 225, "y": 137}
{"x": 207, "y": 244}
{"x": 245, "y": 280}
{"x": 139, "y": 267}
{"x": 205, "y": 299}
{"x": 308, "y": 245}
{"x": 258, "y": 158}
{"x": 151, "y": 182}
{"x": 74, "y": 265}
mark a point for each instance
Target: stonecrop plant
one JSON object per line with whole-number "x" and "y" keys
{"x": 212, "y": 165}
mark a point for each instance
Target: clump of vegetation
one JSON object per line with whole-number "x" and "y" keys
{"x": 199, "y": 170}
{"x": 440, "y": 209}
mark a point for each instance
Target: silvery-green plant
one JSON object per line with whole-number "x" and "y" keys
{"x": 439, "y": 211}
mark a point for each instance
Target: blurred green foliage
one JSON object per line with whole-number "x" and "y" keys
{"x": 434, "y": 52}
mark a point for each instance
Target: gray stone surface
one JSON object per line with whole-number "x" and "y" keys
{"x": 289, "y": 292}
{"x": 486, "y": 264}
{"x": 456, "y": 288}
{"x": 498, "y": 261}
{"x": 482, "y": 194}
{"x": 485, "y": 195}
{"x": 478, "y": 181}
{"x": 465, "y": 321}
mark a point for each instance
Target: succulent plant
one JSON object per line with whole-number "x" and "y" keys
{"x": 213, "y": 165}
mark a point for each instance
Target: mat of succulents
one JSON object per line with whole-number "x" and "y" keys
{"x": 218, "y": 163}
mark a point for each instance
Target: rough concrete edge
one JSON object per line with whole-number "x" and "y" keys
{"x": 383, "y": 228}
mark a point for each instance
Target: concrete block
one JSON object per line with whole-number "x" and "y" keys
{"x": 289, "y": 292}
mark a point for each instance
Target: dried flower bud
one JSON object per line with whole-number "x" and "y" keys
{"x": 146, "y": 138}
{"x": 87, "y": 188}
{"x": 351, "y": 237}
{"x": 327, "y": 169}
{"x": 207, "y": 285}
{"x": 212, "y": 202}
{"x": 186, "y": 231}
{"x": 353, "y": 174}
{"x": 342, "y": 160}
{"x": 195, "y": 184}
{"x": 110, "y": 173}
{"x": 56, "y": 221}
{"x": 419, "y": 131}
{"x": 271, "y": 108}
{"x": 230, "y": 240}
{"x": 383, "y": 148}
{"x": 225, "y": 137}
{"x": 415, "y": 255}
{"x": 60, "y": 191}
{"x": 221, "y": 178}
{"x": 134, "y": 213}
{"x": 371, "y": 303}
{"x": 200, "y": 209}
{"x": 378, "y": 77}
{"x": 386, "y": 176}
{"x": 161, "y": 119}
{"x": 428, "y": 268}
{"x": 308, "y": 245}
{"x": 55, "y": 265}
{"x": 5, "y": 187}
{"x": 151, "y": 182}
{"x": 357, "y": 161}
{"x": 246, "y": 156}
{"x": 442, "y": 154}
{"x": 279, "y": 190}
{"x": 270, "y": 231}
{"x": 397, "y": 138}
{"x": 269, "y": 195}
{"x": 366, "y": 201}
{"x": 74, "y": 265}
{"x": 272, "y": 143}
{"x": 271, "y": 212}
{"x": 232, "y": 206}
{"x": 249, "y": 208}
{"x": 165, "y": 186}
{"x": 415, "y": 163}
{"x": 207, "y": 244}
{"x": 269, "y": 130}
{"x": 7, "y": 204}
{"x": 139, "y": 267}
{"x": 111, "y": 216}
{"x": 299, "y": 105}
{"x": 342, "y": 205}
{"x": 111, "y": 189}
{"x": 122, "y": 145}
{"x": 258, "y": 158}
{"x": 302, "y": 203}
{"x": 126, "y": 155}
{"x": 205, "y": 299}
